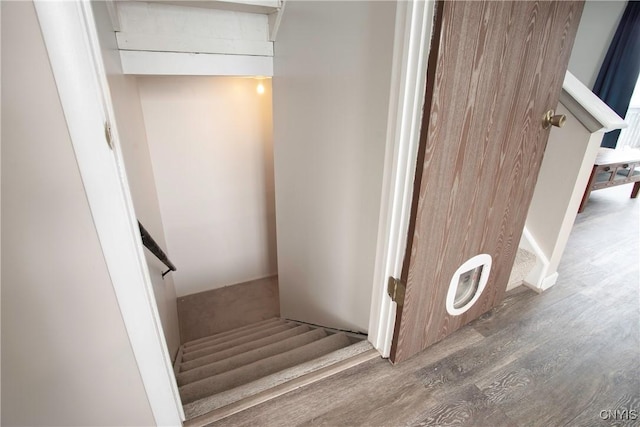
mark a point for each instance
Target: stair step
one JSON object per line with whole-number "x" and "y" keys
{"x": 245, "y": 374}
{"x": 212, "y": 408}
{"x": 249, "y": 357}
{"x": 215, "y": 340}
{"x": 231, "y": 331}
{"x": 239, "y": 349}
{"x": 237, "y": 341}
{"x": 522, "y": 266}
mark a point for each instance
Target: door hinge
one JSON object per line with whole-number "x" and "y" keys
{"x": 396, "y": 289}
{"x": 107, "y": 134}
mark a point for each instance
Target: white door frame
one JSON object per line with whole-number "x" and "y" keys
{"x": 70, "y": 35}
{"x": 414, "y": 26}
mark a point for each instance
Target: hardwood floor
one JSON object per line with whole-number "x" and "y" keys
{"x": 565, "y": 357}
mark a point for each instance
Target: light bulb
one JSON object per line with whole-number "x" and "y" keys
{"x": 260, "y": 88}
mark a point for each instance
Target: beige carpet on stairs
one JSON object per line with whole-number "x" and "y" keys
{"x": 205, "y": 349}
{"x": 524, "y": 263}
{"x": 251, "y": 356}
{"x": 225, "y": 368}
{"x": 239, "y": 349}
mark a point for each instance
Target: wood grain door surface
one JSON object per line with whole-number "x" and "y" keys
{"x": 495, "y": 68}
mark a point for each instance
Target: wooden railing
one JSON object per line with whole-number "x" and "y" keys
{"x": 155, "y": 249}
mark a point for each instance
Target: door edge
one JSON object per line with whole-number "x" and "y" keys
{"x": 412, "y": 41}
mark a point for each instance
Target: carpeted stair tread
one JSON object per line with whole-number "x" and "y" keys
{"x": 215, "y": 340}
{"x": 249, "y": 357}
{"x": 260, "y": 386}
{"x": 239, "y": 349}
{"x": 242, "y": 340}
{"x": 253, "y": 371}
{"x": 522, "y": 266}
{"x": 231, "y": 331}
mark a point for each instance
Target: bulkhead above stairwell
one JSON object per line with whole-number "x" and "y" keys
{"x": 213, "y": 37}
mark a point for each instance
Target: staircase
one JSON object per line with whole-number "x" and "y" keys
{"x": 524, "y": 263}
{"x": 231, "y": 371}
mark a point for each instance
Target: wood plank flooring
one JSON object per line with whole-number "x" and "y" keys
{"x": 555, "y": 359}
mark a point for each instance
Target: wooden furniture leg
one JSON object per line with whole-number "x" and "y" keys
{"x": 587, "y": 191}
{"x": 636, "y": 188}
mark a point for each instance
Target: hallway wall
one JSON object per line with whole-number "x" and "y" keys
{"x": 135, "y": 151}
{"x": 66, "y": 355}
{"x": 597, "y": 26}
{"x": 332, "y": 74}
{"x": 210, "y": 140}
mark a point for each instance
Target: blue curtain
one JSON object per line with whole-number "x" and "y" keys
{"x": 620, "y": 69}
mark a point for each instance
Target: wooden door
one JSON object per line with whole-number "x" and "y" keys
{"x": 495, "y": 68}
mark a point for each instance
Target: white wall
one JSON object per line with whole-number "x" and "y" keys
{"x": 597, "y": 26}
{"x": 66, "y": 357}
{"x": 133, "y": 138}
{"x": 331, "y": 83}
{"x": 210, "y": 140}
{"x": 564, "y": 173}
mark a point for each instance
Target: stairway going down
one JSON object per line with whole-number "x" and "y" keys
{"x": 228, "y": 372}
{"x": 523, "y": 264}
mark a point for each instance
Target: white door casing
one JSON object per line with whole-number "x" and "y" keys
{"x": 413, "y": 32}
{"x": 70, "y": 36}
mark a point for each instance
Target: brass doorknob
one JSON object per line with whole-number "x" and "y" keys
{"x": 549, "y": 119}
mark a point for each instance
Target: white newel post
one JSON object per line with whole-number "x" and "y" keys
{"x": 564, "y": 173}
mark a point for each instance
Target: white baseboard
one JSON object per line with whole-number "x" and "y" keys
{"x": 539, "y": 278}
{"x": 544, "y": 284}
{"x": 549, "y": 281}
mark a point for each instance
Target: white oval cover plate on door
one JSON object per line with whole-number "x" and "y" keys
{"x": 467, "y": 284}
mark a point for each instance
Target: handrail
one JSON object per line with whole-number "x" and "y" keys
{"x": 151, "y": 244}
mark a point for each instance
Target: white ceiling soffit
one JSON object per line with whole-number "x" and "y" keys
{"x": 192, "y": 64}
{"x": 250, "y": 6}
{"x": 159, "y": 30}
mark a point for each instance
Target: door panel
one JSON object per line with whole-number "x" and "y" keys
{"x": 495, "y": 69}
